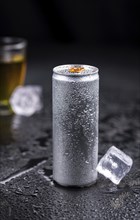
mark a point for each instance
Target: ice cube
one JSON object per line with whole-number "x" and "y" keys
{"x": 114, "y": 165}
{"x": 26, "y": 100}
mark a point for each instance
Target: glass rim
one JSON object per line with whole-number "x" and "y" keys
{"x": 12, "y": 43}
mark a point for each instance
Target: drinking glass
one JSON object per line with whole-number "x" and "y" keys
{"x": 12, "y": 69}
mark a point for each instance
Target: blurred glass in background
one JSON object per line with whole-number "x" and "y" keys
{"x": 12, "y": 69}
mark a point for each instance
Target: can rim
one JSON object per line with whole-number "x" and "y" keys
{"x": 75, "y": 70}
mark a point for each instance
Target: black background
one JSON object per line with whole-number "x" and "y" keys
{"x": 75, "y": 21}
{"x": 105, "y": 34}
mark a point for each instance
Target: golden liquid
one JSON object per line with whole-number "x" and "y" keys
{"x": 76, "y": 69}
{"x": 12, "y": 74}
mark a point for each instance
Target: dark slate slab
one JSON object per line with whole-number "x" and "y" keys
{"x": 26, "y": 185}
{"x": 27, "y": 190}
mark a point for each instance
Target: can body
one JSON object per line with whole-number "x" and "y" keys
{"x": 75, "y": 128}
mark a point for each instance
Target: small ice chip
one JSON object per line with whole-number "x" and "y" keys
{"x": 114, "y": 165}
{"x": 26, "y": 100}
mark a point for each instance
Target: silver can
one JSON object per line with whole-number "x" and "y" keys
{"x": 75, "y": 124}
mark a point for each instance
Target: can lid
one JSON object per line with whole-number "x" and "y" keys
{"x": 75, "y": 70}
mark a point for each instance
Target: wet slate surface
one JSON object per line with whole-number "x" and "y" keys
{"x": 27, "y": 190}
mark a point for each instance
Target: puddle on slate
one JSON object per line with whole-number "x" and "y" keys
{"x": 122, "y": 187}
{"x": 28, "y": 167}
{"x": 23, "y": 150}
{"x": 47, "y": 174}
{"x": 49, "y": 132}
{"x": 42, "y": 141}
{"x": 19, "y": 192}
{"x": 113, "y": 190}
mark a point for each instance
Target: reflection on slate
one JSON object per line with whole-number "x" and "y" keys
{"x": 5, "y": 129}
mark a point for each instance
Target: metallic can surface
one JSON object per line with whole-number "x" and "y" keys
{"x": 75, "y": 124}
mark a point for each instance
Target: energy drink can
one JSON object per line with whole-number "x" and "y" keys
{"x": 75, "y": 124}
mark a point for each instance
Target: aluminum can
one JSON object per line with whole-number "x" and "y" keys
{"x": 75, "y": 124}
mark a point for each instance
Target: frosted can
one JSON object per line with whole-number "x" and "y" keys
{"x": 75, "y": 124}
